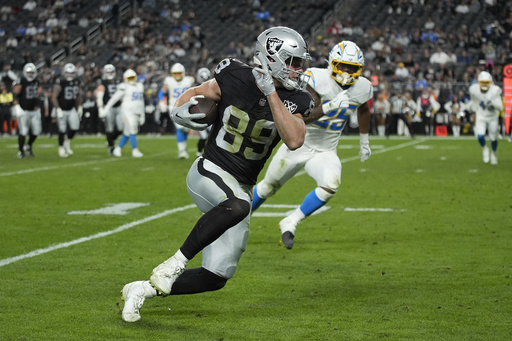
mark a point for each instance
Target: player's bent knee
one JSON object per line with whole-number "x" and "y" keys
{"x": 213, "y": 281}
{"x": 325, "y": 194}
{"x": 266, "y": 190}
{"x": 238, "y": 208}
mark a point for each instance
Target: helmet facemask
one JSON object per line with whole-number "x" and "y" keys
{"x": 346, "y": 62}
{"x": 30, "y": 72}
{"x": 109, "y": 72}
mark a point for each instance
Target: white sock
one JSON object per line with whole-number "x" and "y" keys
{"x": 179, "y": 256}
{"x": 182, "y": 147}
{"x": 149, "y": 291}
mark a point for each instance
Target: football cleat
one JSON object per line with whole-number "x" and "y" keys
{"x": 111, "y": 151}
{"x": 287, "y": 239}
{"x": 62, "y": 152}
{"x": 67, "y": 147}
{"x": 183, "y": 154}
{"x": 21, "y": 155}
{"x": 117, "y": 151}
{"x": 485, "y": 153}
{"x": 163, "y": 276}
{"x": 136, "y": 153}
{"x": 29, "y": 152}
{"x": 494, "y": 158}
{"x": 133, "y": 297}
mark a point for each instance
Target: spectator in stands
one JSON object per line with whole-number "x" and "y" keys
{"x": 464, "y": 58}
{"x": 11, "y": 43}
{"x": 30, "y": 5}
{"x": 401, "y": 71}
{"x": 439, "y": 57}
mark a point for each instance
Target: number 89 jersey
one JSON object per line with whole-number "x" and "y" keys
{"x": 244, "y": 133}
{"x": 324, "y": 134}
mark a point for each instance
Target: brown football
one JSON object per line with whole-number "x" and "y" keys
{"x": 207, "y": 106}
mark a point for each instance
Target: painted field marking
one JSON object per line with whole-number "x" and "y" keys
{"x": 122, "y": 208}
{"x": 92, "y": 237}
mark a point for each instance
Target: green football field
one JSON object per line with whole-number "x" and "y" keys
{"x": 416, "y": 245}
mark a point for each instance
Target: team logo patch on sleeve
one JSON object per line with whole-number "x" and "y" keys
{"x": 290, "y": 106}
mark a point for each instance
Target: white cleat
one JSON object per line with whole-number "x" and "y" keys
{"x": 163, "y": 276}
{"x": 486, "y": 154}
{"x": 117, "y": 151}
{"x": 62, "y": 152}
{"x": 494, "y": 158}
{"x": 183, "y": 155}
{"x": 67, "y": 147}
{"x": 133, "y": 297}
{"x": 136, "y": 153}
{"x": 287, "y": 227}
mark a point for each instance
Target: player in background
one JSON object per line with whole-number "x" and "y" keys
{"x": 258, "y": 107}
{"x": 202, "y": 75}
{"x": 26, "y": 108}
{"x": 173, "y": 87}
{"x": 131, "y": 95}
{"x": 67, "y": 103}
{"x": 113, "y": 118}
{"x": 486, "y": 104}
{"x": 339, "y": 91}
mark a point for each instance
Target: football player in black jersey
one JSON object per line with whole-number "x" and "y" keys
{"x": 113, "y": 118}
{"x": 258, "y": 107}
{"x": 67, "y": 103}
{"x": 26, "y": 108}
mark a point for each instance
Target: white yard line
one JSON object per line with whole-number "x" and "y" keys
{"x": 91, "y": 237}
{"x": 121, "y": 228}
{"x": 76, "y": 164}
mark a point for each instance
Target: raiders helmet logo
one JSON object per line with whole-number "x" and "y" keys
{"x": 274, "y": 45}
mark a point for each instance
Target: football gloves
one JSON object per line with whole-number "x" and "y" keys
{"x": 364, "y": 147}
{"x": 17, "y": 111}
{"x": 263, "y": 77}
{"x": 183, "y": 117}
{"x": 341, "y": 101}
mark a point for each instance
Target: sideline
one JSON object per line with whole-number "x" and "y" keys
{"x": 77, "y": 164}
{"x": 91, "y": 237}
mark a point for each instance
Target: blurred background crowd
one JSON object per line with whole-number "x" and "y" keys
{"x": 410, "y": 46}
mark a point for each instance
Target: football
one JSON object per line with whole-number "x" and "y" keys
{"x": 207, "y": 106}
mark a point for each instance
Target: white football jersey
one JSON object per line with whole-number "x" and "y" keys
{"x": 486, "y": 104}
{"x": 132, "y": 99}
{"x": 176, "y": 88}
{"x": 325, "y": 133}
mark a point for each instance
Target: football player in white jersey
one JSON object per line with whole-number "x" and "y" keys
{"x": 258, "y": 107}
{"x": 486, "y": 104}
{"x": 131, "y": 94}
{"x": 174, "y": 86}
{"x": 339, "y": 91}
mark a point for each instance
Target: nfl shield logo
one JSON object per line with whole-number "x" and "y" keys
{"x": 274, "y": 45}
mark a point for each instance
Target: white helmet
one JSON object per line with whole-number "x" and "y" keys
{"x": 346, "y": 62}
{"x": 130, "y": 76}
{"x": 69, "y": 71}
{"x": 485, "y": 81}
{"x": 203, "y": 74}
{"x": 109, "y": 72}
{"x": 30, "y": 72}
{"x": 178, "y": 71}
{"x": 285, "y": 51}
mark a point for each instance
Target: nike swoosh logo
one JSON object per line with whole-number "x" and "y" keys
{"x": 294, "y": 46}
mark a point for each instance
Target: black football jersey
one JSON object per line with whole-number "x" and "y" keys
{"x": 244, "y": 133}
{"x": 28, "y": 97}
{"x": 68, "y": 93}
{"x": 110, "y": 90}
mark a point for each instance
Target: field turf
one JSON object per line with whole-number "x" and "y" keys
{"x": 416, "y": 245}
